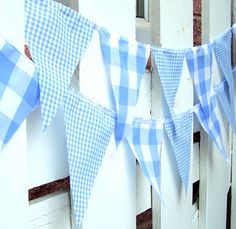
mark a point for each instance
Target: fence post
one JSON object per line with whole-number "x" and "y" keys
{"x": 113, "y": 198}
{"x": 233, "y": 208}
{"x": 172, "y": 27}
{"x": 13, "y": 166}
{"x": 214, "y": 170}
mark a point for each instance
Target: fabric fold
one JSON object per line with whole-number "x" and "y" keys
{"x": 88, "y": 130}
{"x": 169, "y": 64}
{"x": 145, "y": 140}
{"x": 199, "y": 61}
{"x": 57, "y": 37}
{"x": 225, "y": 90}
{"x": 19, "y": 90}
{"x": 126, "y": 62}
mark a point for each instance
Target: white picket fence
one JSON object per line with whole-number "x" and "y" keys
{"x": 121, "y": 192}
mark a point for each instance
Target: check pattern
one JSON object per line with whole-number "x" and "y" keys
{"x": 19, "y": 90}
{"x": 145, "y": 140}
{"x": 199, "y": 61}
{"x": 57, "y": 37}
{"x": 169, "y": 64}
{"x": 127, "y": 63}
{"x": 88, "y": 130}
{"x": 225, "y": 90}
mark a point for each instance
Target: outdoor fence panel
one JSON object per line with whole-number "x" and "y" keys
{"x": 214, "y": 170}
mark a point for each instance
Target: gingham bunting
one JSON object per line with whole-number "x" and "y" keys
{"x": 19, "y": 90}
{"x": 57, "y": 37}
{"x": 225, "y": 90}
{"x": 127, "y": 63}
{"x": 88, "y": 131}
{"x": 180, "y": 137}
{"x": 169, "y": 64}
{"x": 199, "y": 61}
{"x": 145, "y": 140}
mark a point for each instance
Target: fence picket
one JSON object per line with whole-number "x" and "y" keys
{"x": 214, "y": 171}
{"x": 233, "y": 208}
{"x": 13, "y": 159}
{"x": 174, "y": 22}
{"x": 114, "y": 188}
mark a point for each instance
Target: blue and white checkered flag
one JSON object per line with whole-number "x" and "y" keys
{"x": 88, "y": 130}
{"x": 180, "y": 137}
{"x": 19, "y": 90}
{"x": 225, "y": 90}
{"x": 199, "y": 61}
{"x": 169, "y": 64}
{"x": 127, "y": 63}
{"x": 57, "y": 37}
{"x": 145, "y": 140}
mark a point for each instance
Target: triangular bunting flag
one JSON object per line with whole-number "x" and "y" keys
{"x": 126, "y": 62}
{"x": 57, "y": 37}
{"x": 225, "y": 90}
{"x": 19, "y": 90}
{"x": 88, "y": 131}
{"x": 181, "y": 141}
{"x": 199, "y": 61}
{"x": 169, "y": 64}
{"x": 145, "y": 140}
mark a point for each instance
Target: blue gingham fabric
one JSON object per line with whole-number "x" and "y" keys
{"x": 19, "y": 90}
{"x": 225, "y": 90}
{"x": 88, "y": 130}
{"x": 145, "y": 140}
{"x": 169, "y": 64}
{"x": 199, "y": 61}
{"x": 127, "y": 63}
{"x": 180, "y": 137}
{"x": 57, "y": 37}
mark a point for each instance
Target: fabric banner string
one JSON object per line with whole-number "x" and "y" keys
{"x": 57, "y": 37}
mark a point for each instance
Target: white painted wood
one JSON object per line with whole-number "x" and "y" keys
{"x": 13, "y": 169}
{"x": 143, "y": 31}
{"x": 143, "y": 188}
{"x": 174, "y": 22}
{"x": 143, "y": 192}
{"x": 47, "y": 152}
{"x": 214, "y": 171}
{"x": 196, "y": 160}
{"x": 50, "y": 212}
{"x": 117, "y": 15}
{"x": 114, "y": 190}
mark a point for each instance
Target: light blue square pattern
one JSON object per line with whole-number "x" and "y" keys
{"x": 57, "y": 37}
{"x": 202, "y": 78}
{"x": 19, "y": 90}
{"x": 126, "y": 62}
{"x": 88, "y": 130}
